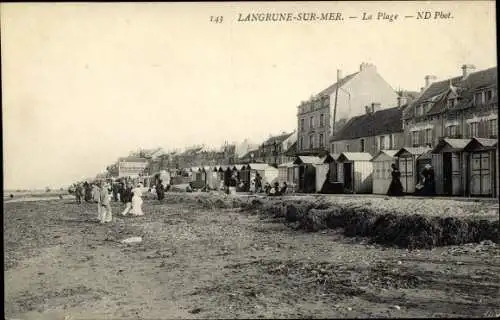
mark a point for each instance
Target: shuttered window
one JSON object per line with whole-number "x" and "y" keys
{"x": 473, "y": 129}
{"x": 492, "y": 128}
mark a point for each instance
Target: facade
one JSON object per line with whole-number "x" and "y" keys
{"x": 338, "y": 103}
{"x": 378, "y": 129}
{"x": 131, "y": 166}
{"x": 461, "y": 107}
{"x": 273, "y": 150}
{"x": 446, "y": 116}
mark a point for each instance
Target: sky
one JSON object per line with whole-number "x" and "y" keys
{"x": 84, "y": 84}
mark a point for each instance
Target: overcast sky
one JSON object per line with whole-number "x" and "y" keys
{"x": 86, "y": 83}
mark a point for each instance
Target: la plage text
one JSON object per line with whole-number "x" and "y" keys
{"x": 288, "y": 16}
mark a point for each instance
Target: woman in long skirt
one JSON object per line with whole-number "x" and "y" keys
{"x": 137, "y": 201}
{"x": 395, "y": 188}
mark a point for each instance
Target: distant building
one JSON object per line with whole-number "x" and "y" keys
{"x": 273, "y": 150}
{"x": 352, "y": 93}
{"x": 131, "y": 166}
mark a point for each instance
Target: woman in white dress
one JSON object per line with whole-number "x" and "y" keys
{"x": 137, "y": 201}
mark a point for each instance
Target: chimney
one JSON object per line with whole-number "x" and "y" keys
{"x": 375, "y": 106}
{"x": 365, "y": 66}
{"x": 368, "y": 109}
{"x": 402, "y": 100}
{"x": 467, "y": 69}
{"x": 339, "y": 74}
{"x": 429, "y": 79}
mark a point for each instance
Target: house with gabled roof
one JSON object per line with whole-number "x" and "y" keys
{"x": 445, "y": 117}
{"x": 273, "y": 150}
{"x": 377, "y": 129}
{"x": 461, "y": 107}
{"x": 325, "y": 113}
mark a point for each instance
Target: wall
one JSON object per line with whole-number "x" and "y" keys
{"x": 371, "y": 144}
{"x": 367, "y": 87}
{"x": 315, "y": 130}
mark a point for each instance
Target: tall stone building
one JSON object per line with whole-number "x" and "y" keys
{"x": 327, "y": 111}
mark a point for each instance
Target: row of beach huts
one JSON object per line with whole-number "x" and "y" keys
{"x": 462, "y": 167}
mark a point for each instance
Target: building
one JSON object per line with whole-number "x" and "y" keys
{"x": 273, "y": 150}
{"x": 337, "y": 104}
{"x": 378, "y": 129}
{"x": 446, "y": 117}
{"x": 461, "y": 107}
{"x": 131, "y": 166}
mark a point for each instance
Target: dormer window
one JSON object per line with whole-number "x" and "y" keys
{"x": 478, "y": 98}
{"x": 451, "y": 102}
{"x": 428, "y": 107}
{"x": 326, "y": 102}
{"x": 489, "y": 95}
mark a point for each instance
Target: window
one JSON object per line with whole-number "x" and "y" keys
{"x": 311, "y": 142}
{"x": 473, "y": 129}
{"x": 302, "y": 124}
{"x": 452, "y": 131}
{"x": 391, "y": 141}
{"x": 321, "y": 145}
{"x": 326, "y": 103}
{"x": 492, "y": 128}
{"x": 311, "y": 122}
{"x": 414, "y": 138}
{"x": 428, "y": 136}
{"x": 333, "y": 147}
{"x": 478, "y": 98}
{"x": 489, "y": 95}
{"x": 321, "y": 116}
{"x": 362, "y": 145}
{"x": 428, "y": 107}
{"x": 451, "y": 103}
{"x": 420, "y": 110}
{"x": 347, "y": 147}
{"x": 301, "y": 143}
{"x": 381, "y": 143}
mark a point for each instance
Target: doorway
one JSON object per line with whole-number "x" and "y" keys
{"x": 480, "y": 184}
{"x": 447, "y": 174}
{"x": 348, "y": 185}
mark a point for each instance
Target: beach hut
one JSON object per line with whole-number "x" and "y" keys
{"x": 449, "y": 163}
{"x": 307, "y": 169}
{"x": 482, "y": 173}
{"x": 382, "y": 170}
{"x": 284, "y": 173}
{"x": 355, "y": 171}
{"x": 267, "y": 172}
{"x": 409, "y": 165}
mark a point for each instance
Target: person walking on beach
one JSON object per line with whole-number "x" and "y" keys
{"x": 79, "y": 193}
{"x": 127, "y": 198}
{"x": 137, "y": 201}
{"x": 395, "y": 188}
{"x": 105, "y": 199}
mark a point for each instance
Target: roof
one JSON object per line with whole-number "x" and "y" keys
{"x": 331, "y": 89}
{"x": 380, "y": 122}
{"x": 437, "y": 90}
{"x": 132, "y": 159}
{"x": 278, "y": 139}
{"x": 286, "y": 165}
{"x": 238, "y": 166}
{"x": 291, "y": 151}
{"x": 416, "y": 151}
{"x": 249, "y": 154}
{"x": 478, "y": 144}
{"x": 354, "y": 156}
{"x": 309, "y": 160}
{"x": 331, "y": 157}
{"x": 258, "y": 166}
{"x": 384, "y": 153}
{"x": 451, "y": 145}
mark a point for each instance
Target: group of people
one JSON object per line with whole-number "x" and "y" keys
{"x": 101, "y": 193}
{"x": 426, "y": 186}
